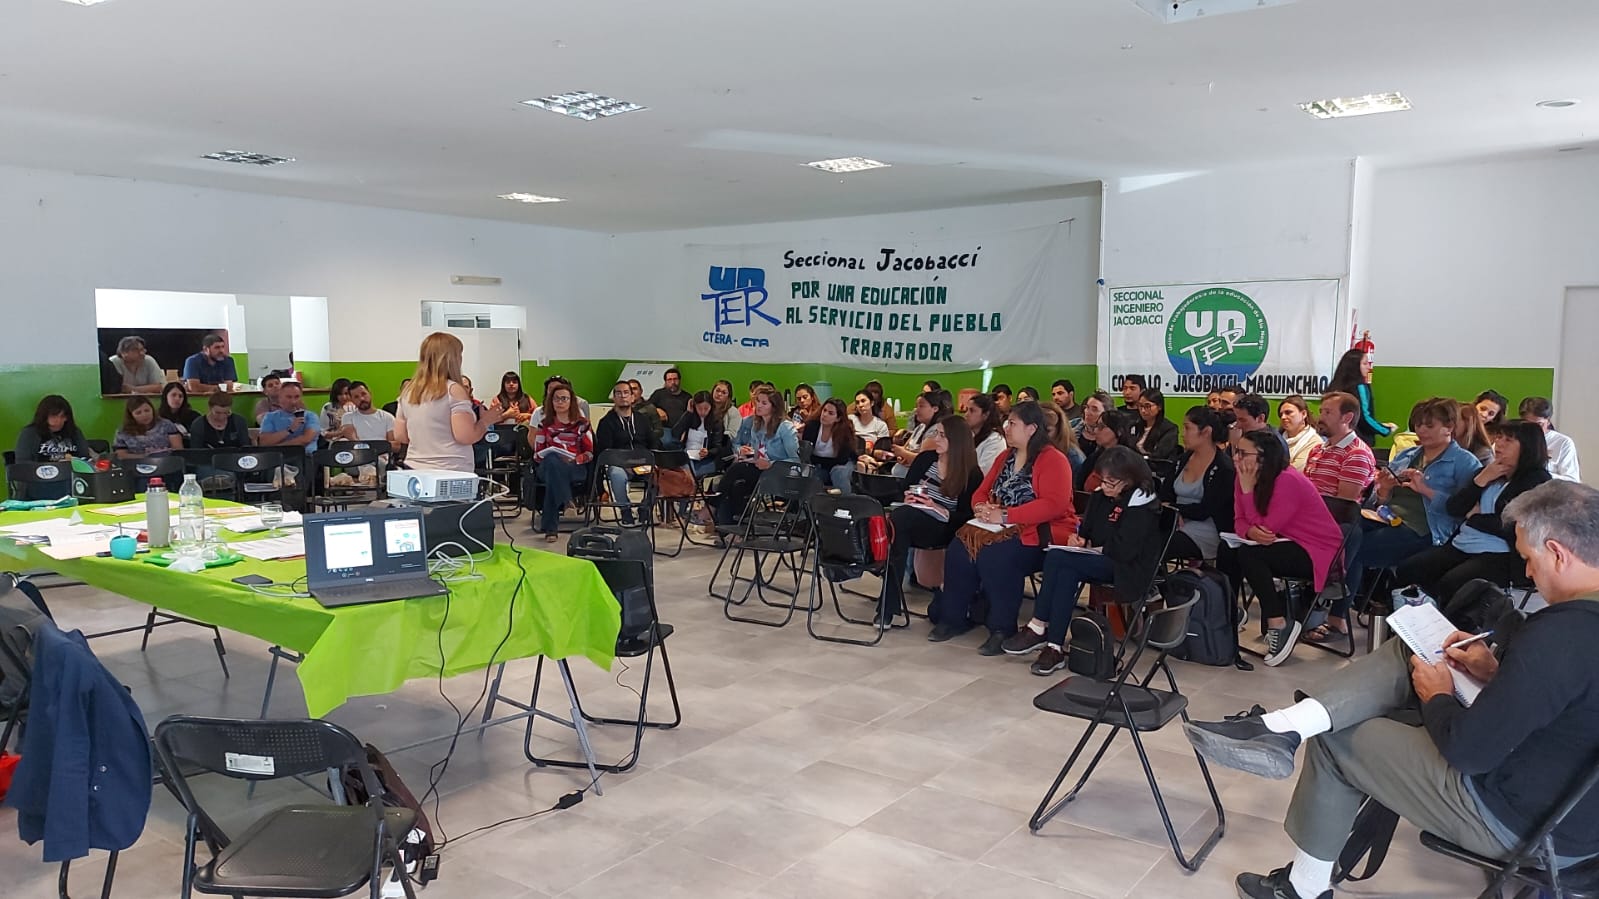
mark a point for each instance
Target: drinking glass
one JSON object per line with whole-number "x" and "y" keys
{"x": 272, "y": 516}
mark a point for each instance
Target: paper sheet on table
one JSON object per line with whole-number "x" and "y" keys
{"x": 249, "y": 524}
{"x": 63, "y": 529}
{"x": 1086, "y": 550}
{"x": 137, "y": 508}
{"x": 76, "y": 549}
{"x": 288, "y": 546}
{"x": 1235, "y": 541}
{"x": 1424, "y": 629}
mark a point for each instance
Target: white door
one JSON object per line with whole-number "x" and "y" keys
{"x": 488, "y": 353}
{"x": 1577, "y": 379}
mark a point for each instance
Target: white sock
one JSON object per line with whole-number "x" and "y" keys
{"x": 1036, "y": 627}
{"x": 1307, "y": 717}
{"x": 1311, "y": 876}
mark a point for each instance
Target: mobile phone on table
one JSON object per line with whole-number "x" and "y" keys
{"x": 252, "y": 580}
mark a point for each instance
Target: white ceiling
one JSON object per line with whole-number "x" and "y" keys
{"x": 412, "y": 103}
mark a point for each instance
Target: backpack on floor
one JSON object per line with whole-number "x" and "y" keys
{"x": 1090, "y": 646}
{"x": 1213, "y": 620}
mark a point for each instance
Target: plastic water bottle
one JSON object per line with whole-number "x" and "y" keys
{"x": 157, "y": 514}
{"x": 191, "y": 515}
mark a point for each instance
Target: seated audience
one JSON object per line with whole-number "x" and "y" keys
{"x": 722, "y": 396}
{"x": 139, "y": 373}
{"x": 833, "y": 444}
{"x": 333, "y": 411}
{"x": 203, "y": 371}
{"x": 1294, "y": 415}
{"x": 984, "y": 423}
{"x": 175, "y": 406}
{"x": 1562, "y": 451}
{"x": 1064, "y": 395}
{"x": 885, "y": 409}
{"x": 270, "y": 382}
{"x": 806, "y": 406}
{"x": 1416, "y": 487}
{"x": 1096, "y": 405}
{"x": 1279, "y": 509}
{"x": 1344, "y": 466}
{"x": 538, "y": 411}
{"x": 766, "y": 436}
{"x": 651, "y": 415}
{"x": 702, "y": 435}
{"x": 1108, "y": 430}
{"x": 1122, "y": 521}
{"x": 1133, "y": 387}
{"x": 1213, "y": 401}
{"x": 1062, "y": 435}
{"x": 671, "y": 404}
{"x": 563, "y": 447}
{"x": 931, "y": 386}
{"x": 1491, "y": 406}
{"x": 219, "y": 427}
{"x": 512, "y": 398}
{"x": 748, "y": 409}
{"x": 1028, "y": 495}
{"x": 1153, "y": 436}
{"x": 1251, "y": 412}
{"x": 868, "y": 419}
{"x": 1483, "y": 776}
{"x": 52, "y": 435}
{"x": 1003, "y": 397}
{"x": 1471, "y": 432}
{"x": 1483, "y": 545}
{"x": 624, "y": 428}
{"x": 366, "y": 422}
{"x": 144, "y": 434}
{"x": 929, "y": 408}
{"x": 392, "y": 407}
{"x": 930, "y": 516}
{"x": 1027, "y": 395}
{"x": 292, "y": 425}
{"x": 1227, "y": 395}
{"x": 1202, "y": 488}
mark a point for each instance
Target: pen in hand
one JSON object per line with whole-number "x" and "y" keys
{"x": 1466, "y": 642}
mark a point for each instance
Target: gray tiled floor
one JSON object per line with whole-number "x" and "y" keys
{"x": 802, "y": 769}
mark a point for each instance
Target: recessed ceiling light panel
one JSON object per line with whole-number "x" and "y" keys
{"x": 85, "y": 2}
{"x": 1557, "y": 104}
{"x": 847, "y": 164}
{"x": 585, "y": 105}
{"x": 244, "y": 157}
{"x": 1348, "y": 107}
{"x": 1174, "y": 11}
{"x": 531, "y": 198}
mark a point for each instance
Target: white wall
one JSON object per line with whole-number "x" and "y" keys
{"x": 66, "y": 235}
{"x": 161, "y": 309}
{"x": 1470, "y": 262}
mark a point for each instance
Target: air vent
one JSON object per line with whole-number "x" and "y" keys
{"x": 1173, "y": 11}
{"x": 244, "y": 157}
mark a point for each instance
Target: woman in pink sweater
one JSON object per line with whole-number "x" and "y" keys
{"x": 1276, "y": 506}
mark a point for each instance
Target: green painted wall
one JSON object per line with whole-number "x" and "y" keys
{"x": 1398, "y": 387}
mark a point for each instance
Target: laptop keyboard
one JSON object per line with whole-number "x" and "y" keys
{"x": 375, "y": 592}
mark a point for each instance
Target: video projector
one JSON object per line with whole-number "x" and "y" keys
{"x": 432, "y": 486}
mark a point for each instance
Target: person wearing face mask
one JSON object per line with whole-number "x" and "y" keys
{"x": 1122, "y": 521}
{"x": 833, "y": 439}
{"x": 1294, "y": 415}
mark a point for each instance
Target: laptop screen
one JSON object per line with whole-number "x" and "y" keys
{"x": 363, "y": 546}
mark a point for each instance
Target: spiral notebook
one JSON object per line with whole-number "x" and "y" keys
{"x": 1424, "y": 629}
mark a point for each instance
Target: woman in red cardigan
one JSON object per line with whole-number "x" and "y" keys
{"x": 1028, "y": 488}
{"x": 1276, "y": 506}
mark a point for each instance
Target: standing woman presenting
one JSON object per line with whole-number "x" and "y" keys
{"x": 1353, "y": 376}
{"x": 435, "y": 416}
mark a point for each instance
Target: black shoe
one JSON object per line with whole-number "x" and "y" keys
{"x": 1022, "y": 642}
{"x": 942, "y": 632}
{"x": 1244, "y": 743}
{"x": 1272, "y": 886}
{"x": 1049, "y": 661}
{"x": 1280, "y": 643}
{"x": 993, "y": 646}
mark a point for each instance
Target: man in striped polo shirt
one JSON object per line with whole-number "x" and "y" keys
{"x": 1343, "y": 467}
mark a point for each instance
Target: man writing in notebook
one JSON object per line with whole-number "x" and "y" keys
{"x": 1483, "y": 777}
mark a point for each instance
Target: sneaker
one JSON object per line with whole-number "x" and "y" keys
{"x": 942, "y": 632}
{"x": 1272, "y": 886}
{"x": 991, "y": 646}
{"x": 1022, "y": 642}
{"x": 1280, "y": 643}
{"x": 1049, "y": 661}
{"x": 1244, "y": 743}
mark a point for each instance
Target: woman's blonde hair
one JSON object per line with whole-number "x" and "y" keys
{"x": 438, "y": 363}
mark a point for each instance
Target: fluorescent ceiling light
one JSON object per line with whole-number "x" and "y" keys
{"x": 1347, "y": 107}
{"x": 585, "y": 105}
{"x": 532, "y": 198}
{"x": 847, "y": 164}
{"x": 85, "y": 2}
{"x": 244, "y": 157}
{"x": 1174, "y": 11}
{"x": 1557, "y": 104}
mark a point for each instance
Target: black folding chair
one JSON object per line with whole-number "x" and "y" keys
{"x": 325, "y": 849}
{"x": 248, "y": 467}
{"x": 345, "y": 459}
{"x": 23, "y": 477}
{"x": 1131, "y": 704}
{"x": 170, "y": 469}
{"x": 639, "y": 465}
{"x": 1347, "y": 514}
{"x": 841, "y": 529}
{"x": 502, "y": 447}
{"x": 679, "y": 508}
{"x": 774, "y": 526}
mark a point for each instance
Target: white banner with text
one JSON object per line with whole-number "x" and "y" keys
{"x": 1272, "y": 337}
{"x": 931, "y": 305}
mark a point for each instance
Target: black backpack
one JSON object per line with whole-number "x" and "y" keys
{"x": 1090, "y": 647}
{"x": 1213, "y": 620}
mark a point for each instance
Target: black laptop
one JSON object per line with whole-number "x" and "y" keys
{"x": 367, "y": 555}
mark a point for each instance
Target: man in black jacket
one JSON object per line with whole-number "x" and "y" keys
{"x": 1483, "y": 776}
{"x": 623, "y": 428}
{"x": 671, "y": 403}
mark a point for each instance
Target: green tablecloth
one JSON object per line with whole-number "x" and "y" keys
{"x": 562, "y": 609}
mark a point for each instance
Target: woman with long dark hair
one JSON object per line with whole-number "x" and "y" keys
{"x": 1291, "y": 532}
{"x": 930, "y": 407}
{"x": 1104, "y": 431}
{"x": 833, "y": 444}
{"x": 512, "y": 397}
{"x": 806, "y": 407}
{"x": 1485, "y": 545}
{"x": 1153, "y": 436}
{"x": 983, "y": 420}
{"x": 1202, "y": 488}
{"x": 144, "y": 434}
{"x": 701, "y": 434}
{"x": 867, "y": 418}
{"x": 1025, "y": 501}
{"x": 1491, "y": 406}
{"x": 175, "y": 406}
{"x": 1353, "y": 376}
{"x": 53, "y": 435}
{"x": 938, "y": 500}
{"x": 334, "y": 410}
{"x": 1122, "y": 521}
{"x": 1471, "y": 432}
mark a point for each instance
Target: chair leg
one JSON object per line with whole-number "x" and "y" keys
{"x": 1190, "y": 863}
{"x": 1045, "y": 810}
{"x": 222, "y": 651}
{"x": 576, "y": 722}
{"x": 149, "y": 626}
{"x": 877, "y": 624}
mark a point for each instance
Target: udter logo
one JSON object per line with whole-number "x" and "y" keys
{"x": 737, "y": 295}
{"x": 1217, "y": 331}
